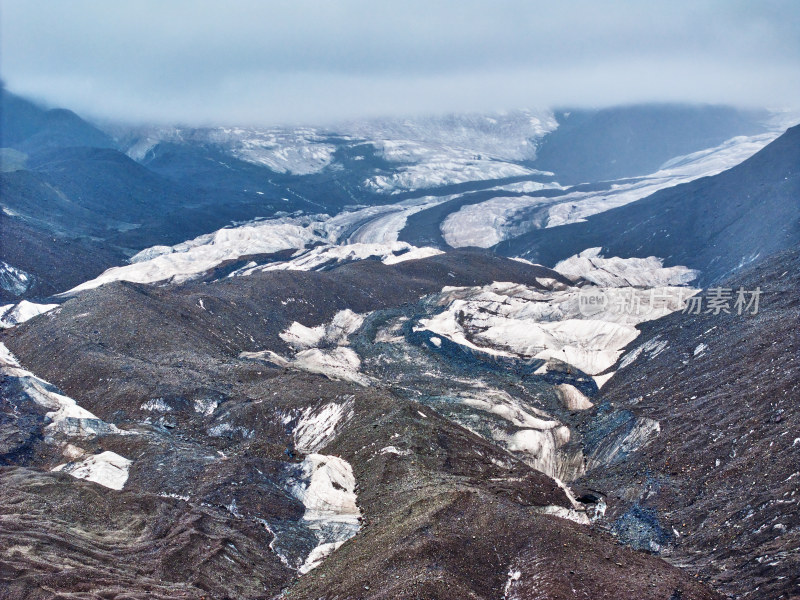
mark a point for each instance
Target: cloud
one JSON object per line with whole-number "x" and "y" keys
{"x": 251, "y": 61}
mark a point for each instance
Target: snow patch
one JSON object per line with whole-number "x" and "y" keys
{"x": 156, "y": 405}
{"x": 652, "y": 348}
{"x": 600, "y": 380}
{"x": 344, "y": 323}
{"x": 14, "y": 280}
{"x": 572, "y": 397}
{"x": 14, "y": 314}
{"x": 337, "y": 363}
{"x": 317, "y": 555}
{"x": 108, "y": 469}
{"x": 327, "y": 490}
{"x": 565, "y": 513}
{"x": 316, "y": 426}
{"x": 205, "y": 406}
{"x": 623, "y": 272}
{"x": 394, "y": 450}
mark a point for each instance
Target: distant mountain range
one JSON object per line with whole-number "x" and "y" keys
{"x": 715, "y": 224}
{"x": 96, "y": 199}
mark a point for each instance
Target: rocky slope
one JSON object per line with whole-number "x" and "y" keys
{"x": 718, "y": 487}
{"x": 204, "y": 463}
{"x": 268, "y": 373}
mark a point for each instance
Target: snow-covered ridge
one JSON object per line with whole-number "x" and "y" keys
{"x": 446, "y": 168}
{"x": 505, "y": 135}
{"x": 300, "y": 151}
{"x": 434, "y": 152}
{"x": 498, "y": 219}
{"x": 322, "y": 256}
{"x": 191, "y": 259}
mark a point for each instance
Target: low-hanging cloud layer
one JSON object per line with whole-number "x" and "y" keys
{"x": 303, "y": 61}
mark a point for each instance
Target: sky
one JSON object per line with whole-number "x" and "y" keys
{"x": 251, "y": 62}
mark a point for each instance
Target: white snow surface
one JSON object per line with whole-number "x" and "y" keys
{"x": 446, "y": 166}
{"x": 108, "y": 469}
{"x": 334, "y": 359}
{"x": 378, "y": 224}
{"x": 436, "y": 151}
{"x": 12, "y": 279}
{"x": 317, "y": 555}
{"x": 316, "y": 426}
{"x": 623, "y": 272}
{"x": 394, "y": 450}
{"x": 344, "y": 323}
{"x": 533, "y": 433}
{"x": 509, "y": 135}
{"x": 651, "y": 348}
{"x": 336, "y": 363}
{"x": 300, "y": 151}
{"x": 205, "y": 406}
{"x": 487, "y": 223}
{"x": 572, "y": 397}
{"x": 156, "y": 405}
{"x": 511, "y": 409}
{"x": 327, "y": 490}
{"x": 14, "y": 314}
{"x": 508, "y": 319}
{"x": 190, "y": 259}
{"x": 492, "y": 221}
{"x": 565, "y": 513}
{"x": 389, "y": 253}
{"x": 305, "y": 150}
{"x": 373, "y": 233}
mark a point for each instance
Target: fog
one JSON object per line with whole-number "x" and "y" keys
{"x": 252, "y": 62}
